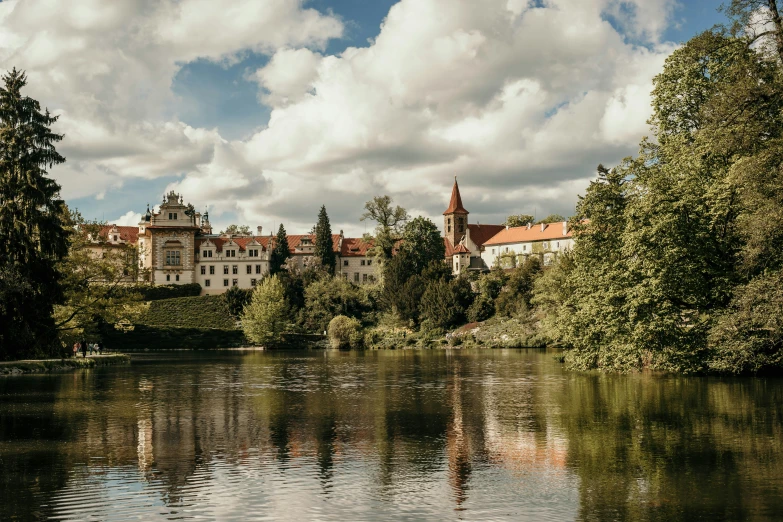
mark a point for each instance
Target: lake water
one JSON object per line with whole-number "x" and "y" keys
{"x": 391, "y": 435}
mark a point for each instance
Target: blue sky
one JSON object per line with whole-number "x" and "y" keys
{"x": 165, "y": 95}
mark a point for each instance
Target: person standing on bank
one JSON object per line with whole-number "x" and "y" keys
{"x": 76, "y": 347}
{"x": 84, "y": 348}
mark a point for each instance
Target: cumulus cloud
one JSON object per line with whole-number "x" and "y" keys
{"x": 129, "y": 219}
{"x": 520, "y": 99}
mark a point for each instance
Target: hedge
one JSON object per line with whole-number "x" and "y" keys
{"x": 206, "y": 311}
{"x": 157, "y": 292}
{"x": 146, "y": 337}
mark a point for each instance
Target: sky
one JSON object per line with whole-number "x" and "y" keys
{"x": 261, "y": 111}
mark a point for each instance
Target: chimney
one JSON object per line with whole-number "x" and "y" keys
{"x": 529, "y": 225}
{"x": 341, "y": 233}
{"x": 259, "y": 229}
{"x": 506, "y": 227}
{"x": 543, "y": 226}
{"x": 565, "y": 228}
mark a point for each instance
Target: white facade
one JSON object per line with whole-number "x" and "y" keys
{"x": 514, "y": 245}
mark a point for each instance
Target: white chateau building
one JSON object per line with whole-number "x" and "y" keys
{"x": 176, "y": 245}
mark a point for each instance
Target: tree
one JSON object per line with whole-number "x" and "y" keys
{"x": 390, "y": 222}
{"x": 552, "y": 218}
{"x": 280, "y": 252}
{"x": 324, "y": 245}
{"x": 236, "y": 230}
{"x": 237, "y": 299}
{"x": 95, "y": 277}
{"x": 518, "y": 220}
{"x": 422, "y": 243}
{"x": 32, "y": 236}
{"x": 329, "y": 297}
{"x": 265, "y": 319}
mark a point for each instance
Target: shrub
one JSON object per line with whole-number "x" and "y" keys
{"x": 344, "y": 332}
{"x": 154, "y": 293}
{"x": 482, "y": 309}
{"x": 206, "y": 311}
{"x": 237, "y": 299}
{"x": 265, "y": 318}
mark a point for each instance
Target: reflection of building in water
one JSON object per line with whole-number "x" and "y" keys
{"x": 458, "y": 445}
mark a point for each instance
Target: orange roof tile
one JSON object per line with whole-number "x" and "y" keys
{"x": 355, "y": 247}
{"x": 522, "y": 234}
{"x": 480, "y": 234}
{"x": 129, "y": 234}
{"x": 455, "y": 205}
{"x": 461, "y": 249}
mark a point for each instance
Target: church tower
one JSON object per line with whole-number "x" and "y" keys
{"x": 455, "y": 219}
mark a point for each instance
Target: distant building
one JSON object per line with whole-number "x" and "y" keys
{"x": 481, "y": 247}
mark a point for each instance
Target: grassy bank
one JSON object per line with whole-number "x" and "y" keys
{"x": 53, "y": 365}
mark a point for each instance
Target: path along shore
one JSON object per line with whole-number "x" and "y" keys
{"x": 53, "y": 365}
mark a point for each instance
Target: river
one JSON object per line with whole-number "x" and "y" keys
{"x": 388, "y": 435}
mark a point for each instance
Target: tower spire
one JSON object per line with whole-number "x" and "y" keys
{"x": 455, "y": 205}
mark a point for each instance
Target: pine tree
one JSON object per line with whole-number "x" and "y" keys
{"x": 32, "y": 236}
{"x": 279, "y": 253}
{"x": 324, "y": 248}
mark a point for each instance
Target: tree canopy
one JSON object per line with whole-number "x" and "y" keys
{"x": 390, "y": 222}
{"x": 324, "y": 246}
{"x": 280, "y": 252}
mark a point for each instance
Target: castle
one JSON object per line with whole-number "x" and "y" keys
{"x": 176, "y": 245}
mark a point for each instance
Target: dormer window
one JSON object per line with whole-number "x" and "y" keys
{"x": 253, "y": 252}
{"x": 173, "y": 216}
{"x": 207, "y": 253}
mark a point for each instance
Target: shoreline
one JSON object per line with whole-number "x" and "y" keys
{"x": 57, "y": 365}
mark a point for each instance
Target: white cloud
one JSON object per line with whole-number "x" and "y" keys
{"x": 129, "y": 219}
{"x": 515, "y": 98}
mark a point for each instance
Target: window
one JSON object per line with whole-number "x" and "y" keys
{"x": 249, "y": 269}
{"x": 116, "y": 238}
{"x": 234, "y": 269}
{"x": 356, "y": 277}
{"x": 211, "y": 269}
{"x": 372, "y": 277}
{"x": 258, "y": 269}
{"x": 364, "y": 278}
{"x": 524, "y": 248}
{"x": 253, "y": 252}
{"x": 252, "y": 282}
{"x": 225, "y": 282}
{"x": 363, "y": 262}
{"x": 168, "y": 277}
{"x": 207, "y": 253}
{"x": 176, "y": 277}
{"x": 172, "y": 215}
{"x": 234, "y": 282}
{"x": 206, "y": 282}
{"x": 557, "y": 245}
{"x": 345, "y": 262}
{"x": 231, "y": 253}
{"x": 506, "y": 249}
{"x": 173, "y": 257}
{"x": 493, "y": 250}
{"x": 369, "y": 262}
{"x": 225, "y": 269}
{"x": 545, "y": 245}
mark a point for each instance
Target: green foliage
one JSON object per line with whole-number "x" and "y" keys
{"x": 482, "y": 309}
{"x": 206, "y": 311}
{"x": 236, "y": 300}
{"x": 155, "y": 292}
{"x": 329, "y": 297}
{"x": 514, "y": 298}
{"x": 266, "y": 317}
{"x": 280, "y": 252}
{"x": 33, "y": 238}
{"x": 519, "y": 220}
{"x": 390, "y": 221}
{"x": 236, "y": 230}
{"x": 422, "y": 243}
{"x": 345, "y": 332}
{"x": 677, "y": 252}
{"x": 552, "y": 218}
{"x": 324, "y": 248}
{"x": 444, "y": 303}
{"x": 164, "y": 337}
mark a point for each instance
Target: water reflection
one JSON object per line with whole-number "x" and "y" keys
{"x": 390, "y": 435}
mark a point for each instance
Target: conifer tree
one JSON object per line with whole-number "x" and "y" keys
{"x": 32, "y": 236}
{"x": 324, "y": 250}
{"x": 279, "y": 253}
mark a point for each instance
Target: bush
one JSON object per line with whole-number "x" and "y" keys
{"x": 329, "y": 297}
{"x": 266, "y": 317}
{"x": 344, "y": 332}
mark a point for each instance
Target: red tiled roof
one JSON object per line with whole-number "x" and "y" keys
{"x": 266, "y": 242}
{"x": 129, "y": 234}
{"x": 449, "y": 247}
{"x": 461, "y": 249}
{"x": 480, "y": 234}
{"x": 355, "y": 247}
{"x": 522, "y": 234}
{"x": 455, "y": 205}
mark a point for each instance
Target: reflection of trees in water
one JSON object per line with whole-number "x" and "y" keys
{"x": 643, "y": 447}
{"x": 664, "y": 448}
